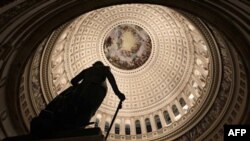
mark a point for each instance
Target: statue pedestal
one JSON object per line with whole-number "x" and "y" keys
{"x": 91, "y": 134}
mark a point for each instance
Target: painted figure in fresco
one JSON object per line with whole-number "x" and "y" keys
{"x": 75, "y": 106}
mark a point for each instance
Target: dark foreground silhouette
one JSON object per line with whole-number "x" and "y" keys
{"x": 74, "y": 107}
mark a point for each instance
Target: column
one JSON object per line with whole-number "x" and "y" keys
{"x": 102, "y": 122}
{"x": 171, "y": 114}
{"x": 113, "y": 128}
{"x": 132, "y": 126}
{"x": 186, "y": 99}
{"x": 192, "y": 90}
{"x": 122, "y": 127}
{"x": 152, "y": 121}
{"x": 143, "y": 125}
{"x": 162, "y": 119}
{"x": 202, "y": 58}
{"x": 198, "y": 81}
{"x": 179, "y": 107}
{"x": 201, "y": 70}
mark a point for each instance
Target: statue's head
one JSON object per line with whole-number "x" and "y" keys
{"x": 98, "y": 64}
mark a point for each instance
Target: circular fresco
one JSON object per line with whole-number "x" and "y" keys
{"x": 127, "y": 46}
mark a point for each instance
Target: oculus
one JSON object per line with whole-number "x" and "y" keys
{"x": 127, "y": 46}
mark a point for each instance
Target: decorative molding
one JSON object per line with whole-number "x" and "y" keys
{"x": 11, "y": 14}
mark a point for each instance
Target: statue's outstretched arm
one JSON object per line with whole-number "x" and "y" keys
{"x": 112, "y": 81}
{"x": 77, "y": 78}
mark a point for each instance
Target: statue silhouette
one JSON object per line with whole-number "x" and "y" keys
{"x": 74, "y": 107}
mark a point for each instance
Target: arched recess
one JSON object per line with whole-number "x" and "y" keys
{"x": 20, "y": 39}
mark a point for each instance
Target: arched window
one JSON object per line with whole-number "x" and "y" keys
{"x": 148, "y": 125}
{"x": 182, "y": 102}
{"x": 97, "y": 122}
{"x": 175, "y": 110}
{"x": 117, "y": 128}
{"x": 158, "y": 122}
{"x": 127, "y": 129}
{"x": 167, "y": 117}
{"x": 106, "y": 127}
{"x": 137, "y": 127}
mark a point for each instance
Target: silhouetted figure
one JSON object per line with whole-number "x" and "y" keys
{"x": 75, "y": 106}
